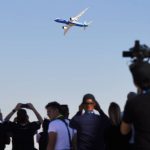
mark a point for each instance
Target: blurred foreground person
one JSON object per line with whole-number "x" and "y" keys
{"x": 90, "y": 126}
{"x": 21, "y": 129}
{"x": 4, "y": 137}
{"x": 137, "y": 109}
{"x": 60, "y": 135}
{"x": 131, "y": 95}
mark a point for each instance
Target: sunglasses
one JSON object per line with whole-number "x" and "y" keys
{"x": 89, "y": 103}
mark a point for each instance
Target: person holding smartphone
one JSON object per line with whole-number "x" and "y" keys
{"x": 21, "y": 128}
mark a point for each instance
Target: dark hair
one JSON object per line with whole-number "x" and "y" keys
{"x": 141, "y": 74}
{"x": 54, "y": 105}
{"x": 114, "y": 113}
{"x": 88, "y": 96}
{"x": 22, "y": 116}
{"x": 131, "y": 95}
{"x": 65, "y": 110}
{"x": 45, "y": 124}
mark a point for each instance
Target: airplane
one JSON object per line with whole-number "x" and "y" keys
{"x": 73, "y": 22}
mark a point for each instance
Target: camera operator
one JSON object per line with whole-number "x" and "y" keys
{"x": 137, "y": 109}
{"x": 21, "y": 129}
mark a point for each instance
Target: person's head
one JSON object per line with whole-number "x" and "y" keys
{"x": 65, "y": 111}
{"x": 131, "y": 95}
{"x": 89, "y": 102}
{"x": 22, "y": 116}
{"x": 141, "y": 74}
{"x": 53, "y": 109}
{"x": 114, "y": 113}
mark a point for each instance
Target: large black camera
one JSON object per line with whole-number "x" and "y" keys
{"x": 139, "y": 52}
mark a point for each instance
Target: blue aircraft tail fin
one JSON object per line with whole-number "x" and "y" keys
{"x": 87, "y": 24}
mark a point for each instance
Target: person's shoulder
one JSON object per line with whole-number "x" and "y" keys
{"x": 133, "y": 99}
{"x": 9, "y": 123}
{"x": 35, "y": 122}
{"x": 56, "y": 124}
{"x": 55, "y": 121}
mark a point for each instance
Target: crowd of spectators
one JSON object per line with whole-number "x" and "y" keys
{"x": 90, "y": 128}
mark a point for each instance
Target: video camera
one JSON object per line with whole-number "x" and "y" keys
{"x": 140, "y": 66}
{"x": 138, "y": 52}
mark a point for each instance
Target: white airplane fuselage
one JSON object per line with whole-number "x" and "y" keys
{"x": 71, "y": 23}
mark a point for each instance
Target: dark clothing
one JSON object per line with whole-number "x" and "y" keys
{"x": 43, "y": 141}
{"x": 4, "y": 138}
{"x": 137, "y": 112}
{"x": 22, "y": 135}
{"x": 90, "y": 131}
{"x": 115, "y": 140}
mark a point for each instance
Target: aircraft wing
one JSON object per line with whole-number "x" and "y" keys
{"x": 66, "y": 29}
{"x": 80, "y": 14}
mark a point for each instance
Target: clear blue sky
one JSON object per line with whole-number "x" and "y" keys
{"x": 38, "y": 64}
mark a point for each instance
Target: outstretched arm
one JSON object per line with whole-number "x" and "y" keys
{"x": 18, "y": 106}
{"x": 35, "y": 112}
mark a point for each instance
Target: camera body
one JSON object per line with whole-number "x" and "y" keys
{"x": 138, "y": 51}
{"x": 24, "y": 106}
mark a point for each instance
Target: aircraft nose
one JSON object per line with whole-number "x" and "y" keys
{"x": 56, "y": 19}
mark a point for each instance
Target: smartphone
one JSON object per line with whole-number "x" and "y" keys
{"x": 24, "y": 106}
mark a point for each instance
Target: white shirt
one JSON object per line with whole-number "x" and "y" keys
{"x": 60, "y": 128}
{"x": 94, "y": 111}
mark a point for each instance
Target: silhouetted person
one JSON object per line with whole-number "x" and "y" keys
{"x": 21, "y": 129}
{"x": 137, "y": 109}
{"x": 4, "y": 137}
{"x": 131, "y": 95}
{"x": 42, "y": 137}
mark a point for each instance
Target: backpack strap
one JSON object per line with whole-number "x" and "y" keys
{"x": 69, "y": 135}
{"x": 61, "y": 117}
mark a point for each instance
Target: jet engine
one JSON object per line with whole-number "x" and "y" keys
{"x": 64, "y": 27}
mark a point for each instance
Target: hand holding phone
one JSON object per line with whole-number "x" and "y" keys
{"x": 24, "y": 106}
